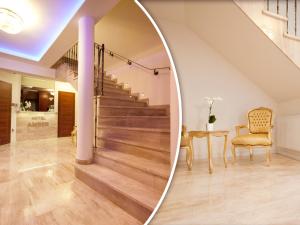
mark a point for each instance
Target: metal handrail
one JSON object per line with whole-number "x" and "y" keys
{"x": 132, "y": 62}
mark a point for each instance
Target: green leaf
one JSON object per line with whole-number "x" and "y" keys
{"x": 212, "y": 119}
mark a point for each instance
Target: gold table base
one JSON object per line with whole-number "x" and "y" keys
{"x": 209, "y": 135}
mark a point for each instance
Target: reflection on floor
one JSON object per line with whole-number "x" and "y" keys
{"x": 244, "y": 193}
{"x": 37, "y": 186}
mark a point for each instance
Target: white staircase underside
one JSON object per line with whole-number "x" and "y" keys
{"x": 231, "y": 32}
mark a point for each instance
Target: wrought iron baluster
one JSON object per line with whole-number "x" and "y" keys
{"x": 98, "y": 70}
{"x": 68, "y": 57}
{"x": 76, "y": 62}
{"x": 72, "y": 59}
{"x": 287, "y": 16}
{"x": 295, "y": 17}
{"x": 102, "y": 69}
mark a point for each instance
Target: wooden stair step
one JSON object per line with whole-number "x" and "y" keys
{"x": 149, "y": 166}
{"x": 137, "y": 199}
{"x": 137, "y": 144}
{"x": 111, "y": 100}
{"x": 131, "y": 111}
{"x": 131, "y": 166}
{"x": 115, "y": 87}
{"x": 152, "y": 137}
{"x": 118, "y": 90}
{"x": 106, "y": 82}
{"x": 120, "y": 96}
{"x": 154, "y": 130}
{"x": 110, "y": 85}
{"x": 123, "y": 146}
{"x": 136, "y": 121}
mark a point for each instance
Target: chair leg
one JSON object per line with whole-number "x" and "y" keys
{"x": 268, "y": 155}
{"x": 233, "y": 154}
{"x": 190, "y": 155}
{"x": 189, "y": 158}
{"x": 251, "y": 153}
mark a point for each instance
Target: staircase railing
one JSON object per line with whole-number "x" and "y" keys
{"x": 70, "y": 58}
{"x": 134, "y": 63}
{"x": 288, "y": 9}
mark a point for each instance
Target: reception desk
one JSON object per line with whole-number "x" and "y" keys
{"x": 36, "y": 125}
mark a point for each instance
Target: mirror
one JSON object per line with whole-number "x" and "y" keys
{"x": 37, "y": 99}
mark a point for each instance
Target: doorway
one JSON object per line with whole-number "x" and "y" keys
{"x": 5, "y": 112}
{"x": 66, "y": 113}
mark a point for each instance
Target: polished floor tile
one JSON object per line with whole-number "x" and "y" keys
{"x": 245, "y": 193}
{"x": 37, "y": 186}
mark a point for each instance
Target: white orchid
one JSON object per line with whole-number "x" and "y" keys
{"x": 211, "y": 101}
{"x": 27, "y": 105}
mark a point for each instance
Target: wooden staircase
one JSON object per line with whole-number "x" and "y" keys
{"x": 132, "y": 160}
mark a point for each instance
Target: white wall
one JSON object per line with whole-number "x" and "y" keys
{"x": 288, "y": 123}
{"x": 204, "y": 72}
{"x": 26, "y": 68}
{"x": 15, "y": 80}
{"x": 156, "y": 88}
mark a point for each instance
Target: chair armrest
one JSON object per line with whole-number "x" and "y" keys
{"x": 270, "y": 131}
{"x": 238, "y": 128}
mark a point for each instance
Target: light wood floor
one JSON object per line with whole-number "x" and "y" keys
{"x": 37, "y": 186}
{"x": 245, "y": 193}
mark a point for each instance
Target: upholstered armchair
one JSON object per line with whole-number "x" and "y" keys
{"x": 186, "y": 144}
{"x": 260, "y": 133}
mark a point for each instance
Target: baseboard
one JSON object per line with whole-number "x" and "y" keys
{"x": 289, "y": 153}
{"x": 217, "y": 153}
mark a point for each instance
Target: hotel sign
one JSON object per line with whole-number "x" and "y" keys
{"x": 38, "y": 121}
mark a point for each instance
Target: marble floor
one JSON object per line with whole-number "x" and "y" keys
{"x": 37, "y": 186}
{"x": 245, "y": 193}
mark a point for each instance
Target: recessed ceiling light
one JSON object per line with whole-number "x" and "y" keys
{"x": 10, "y": 22}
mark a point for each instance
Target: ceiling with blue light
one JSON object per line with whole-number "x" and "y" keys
{"x": 44, "y": 21}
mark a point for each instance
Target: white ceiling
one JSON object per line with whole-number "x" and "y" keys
{"x": 51, "y": 17}
{"x": 121, "y": 26}
{"x": 41, "y": 28}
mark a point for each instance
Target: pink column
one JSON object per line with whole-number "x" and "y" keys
{"x": 85, "y": 90}
{"x": 175, "y": 120}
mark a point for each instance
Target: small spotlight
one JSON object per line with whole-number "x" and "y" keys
{"x": 129, "y": 62}
{"x": 155, "y": 72}
{"x": 111, "y": 54}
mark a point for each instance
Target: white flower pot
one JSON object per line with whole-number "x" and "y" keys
{"x": 209, "y": 126}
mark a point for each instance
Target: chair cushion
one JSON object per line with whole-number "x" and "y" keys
{"x": 252, "y": 139}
